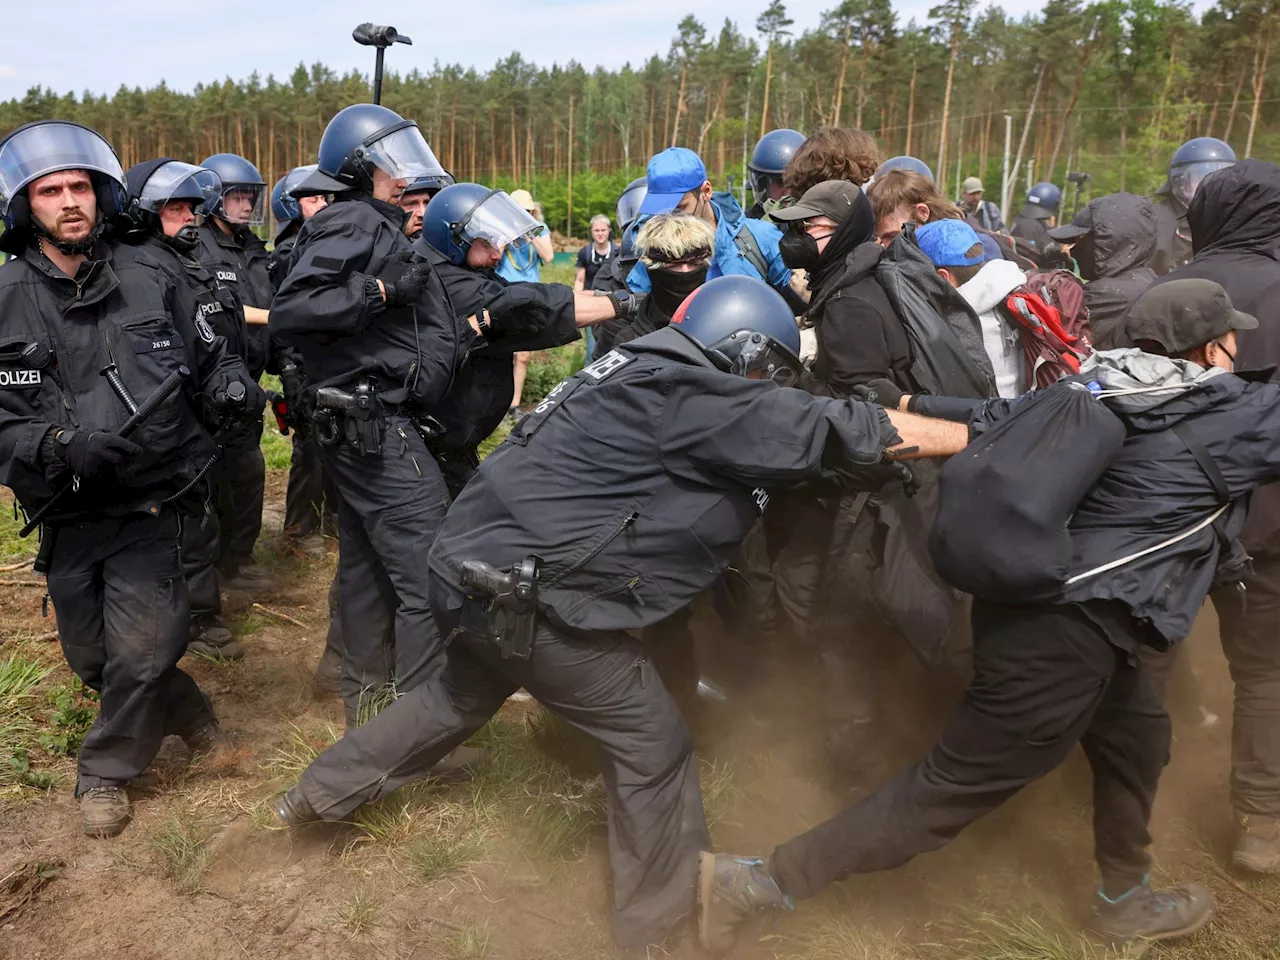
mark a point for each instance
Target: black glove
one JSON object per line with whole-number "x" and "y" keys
{"x": 880, "y": 391}
{"x": 240, "y": 400}
{"x": 408, "y": 285}
{"x": 626, "y": 304}
{"x": 519, "y": 308}
{"x": 88, "y": 455}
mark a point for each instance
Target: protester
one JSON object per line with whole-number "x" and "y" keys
{"x": 832, "y": 153}
{"x": 984, "y": 213}
{"x": 594, "y": 255}
{"x": 904, "y": 196}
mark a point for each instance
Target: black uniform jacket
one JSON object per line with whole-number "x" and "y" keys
{"x": 330, "y": 308}
{"x": 636, "y": 480}
{"x": 124, "y": 308}
{"x": 241, "y": 263}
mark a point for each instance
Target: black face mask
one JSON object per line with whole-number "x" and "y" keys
{"x": 799, "y": 250}
{"x": 670, "y": 288}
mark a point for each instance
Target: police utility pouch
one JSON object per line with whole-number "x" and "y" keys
{"x": 354, "y": 417}
{"x": 1004, "y": 502}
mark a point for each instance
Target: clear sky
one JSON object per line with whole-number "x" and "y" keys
{"x": 74, "y": 45}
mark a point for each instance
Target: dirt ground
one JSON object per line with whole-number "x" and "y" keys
{"x": 513, "y": 864}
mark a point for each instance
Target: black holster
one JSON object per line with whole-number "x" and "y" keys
{"x": 512, "y": 607}
{"x": 44, "y": 555}
{"x": 354, "y": 417}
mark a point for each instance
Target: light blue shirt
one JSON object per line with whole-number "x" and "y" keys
{"x": 520, "y": 263}
{"x": 728, "y": 259}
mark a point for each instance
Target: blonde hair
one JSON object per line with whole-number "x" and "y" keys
{"x": 600, "y": 218}
{"x": 668, "y": 237}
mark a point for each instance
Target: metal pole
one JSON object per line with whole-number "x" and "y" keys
{"x": 1004, "y": 169}
{"x": 377, "y": 75}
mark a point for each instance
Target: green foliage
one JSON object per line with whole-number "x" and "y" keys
{"x": 19, "y": 679}
{"x": 360, "y": 912}
{"x": 183, "y": 847}
{"x": 548, "y": 367}
{"x": 74, "y": 709}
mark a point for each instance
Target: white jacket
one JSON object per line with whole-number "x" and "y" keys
{"x": 1000, "y": 338}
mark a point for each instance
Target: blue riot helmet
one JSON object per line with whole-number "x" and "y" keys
{"x": 744, "y": 327}
{"x": 154, "y": 183}
{"x": 1042, "y": 201}
{"x": 629, "y": 202}
{"x": 770, "y": 158}
{"x": 1192, "y": 162}
{"x": 904, "y": 163}
{"x": 284, "y": 205}
{"x": 364, "y": 137}
{"x": 463, "y": 213}
{"x": 241, "y": 178}
{"x": 35, "y": 150}
{"x": 431, "y": 184}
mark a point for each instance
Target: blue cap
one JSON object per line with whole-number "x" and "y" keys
{"x": 671, "y": 174}
{"x": 947, "y": 243}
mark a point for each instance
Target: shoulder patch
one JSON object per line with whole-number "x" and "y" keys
{"x": 229, "y": 275}
{"x": 327, "y": 263}
{"x": 203, "y": 329}
{"x": 606, "y": 366}
{"x": 21, "y": 377}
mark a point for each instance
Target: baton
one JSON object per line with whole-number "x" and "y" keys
{"x": 136, "y": 418}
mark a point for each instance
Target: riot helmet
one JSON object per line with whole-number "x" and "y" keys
{"x": 903, "y": 163}
{"x": 431, "y": 184}
{"x": 364, "y": 137}
{"x": 1191, "y": 163}
{"x": 240, "y": 179}
{"x": 1042, "y": 201}
{"x": 154, "y": 183}
{"x": 629, "y": 202}
{"x": 462, "y": 213}
{"x": 284, "y": 205}
{"x": 38, "y": 149}
{"x": 744, "y": 327}
{"x": 770, "y": 158}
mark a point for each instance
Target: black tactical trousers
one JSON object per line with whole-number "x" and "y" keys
{"x": 390, "y": 506}
{"x": 604, "y": 685}
{"x": 118, "y": 588}
{"x": 1045, "y": 679}
{"x": 1249, "y": 625}
{"x": 309, "y": 503}
{"x": 200, "y": 543}
{"x": 240, "y": 492}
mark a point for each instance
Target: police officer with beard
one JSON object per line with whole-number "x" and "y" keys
{"x": 381, "y": 346}
{"x": 466, "y": 228}
{"x": 239, "y": 259}
{"x": 75, "y": 306}
{"x": 160, "y": 217}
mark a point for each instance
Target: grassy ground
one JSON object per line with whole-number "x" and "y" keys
{"x": 513, "y": 864}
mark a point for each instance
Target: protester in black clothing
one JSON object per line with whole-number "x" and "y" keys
{"x": 1235, "y": 228}
{"x": 1112, "y": 240}
{"x": 1049, "y": 675}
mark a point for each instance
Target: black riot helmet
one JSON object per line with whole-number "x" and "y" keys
{"x": 38, "y": 149}
{"x": 365, "y": 136}
{"x": 154, "y": 183}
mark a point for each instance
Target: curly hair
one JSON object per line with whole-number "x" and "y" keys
{"x": 832, "y": 153}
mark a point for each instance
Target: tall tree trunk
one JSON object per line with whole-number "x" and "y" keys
{"x": 675, "y": 124}
{"x": 568, "y": 229}
{"x": 911, "y": 109}
{"x": 493, "y": 147}
{"x": 1259, "y": 81}
{"x": 666, "y": 117}
{"x": 1085, "y": 55}
{"x": 839, "y": 93}
{"x": 1217, "y": 99}
{"x": 986, "y": 145}
{"x": 515, "y": 164}
{"x": 941, "y": 169}
{"x": 768, "y": 79}
{"x": 1022, "y": 140}
{"x": 648, "y": 144}
{"x": 1164, "y": 96}
{"x": 1235, "y": 102}
{"x": 862, "y": 90}
{"x": 1124, "y": 132}
{"x": 474, "y": 137}
{"x": 453, "y": 136}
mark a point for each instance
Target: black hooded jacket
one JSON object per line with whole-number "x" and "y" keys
{"x": 1114, "y": 258}
{"x": 1235, "y": 228}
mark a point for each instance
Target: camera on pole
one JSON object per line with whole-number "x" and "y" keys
{"x": 372, "y": 35}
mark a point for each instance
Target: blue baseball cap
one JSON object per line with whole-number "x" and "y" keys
{"x": 670, "y": 175}
{"x": 948, "y": 242}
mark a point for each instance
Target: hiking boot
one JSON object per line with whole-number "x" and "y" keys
{"x": 311, "y": 546}
{"x": 1257, "y": 847}
{"x": 329, "y": 672}
{"x": 292, "y": 809}
{"x": 214, "y": 642}
{"x": 1147, "y": 915}
{"x": 249, "y": 578}
{"x": 208, "y": 738}
{"x": 730, "y": 889}
{"x": 104, "y": 811}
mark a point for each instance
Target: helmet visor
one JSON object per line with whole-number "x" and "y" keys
{"x": 295, "y": 176}
{"x": 1185, "y": 180}
{"x": 499, "y": 220}
{"x": 49, "y": 147}
{"x": 180, "y": 181}
{"x": 629, "y": 205}
{"x": 242, "y": 203}
{"x": 758, "y": 356}
{"x": 766, "y": 186}
{"x": 404, "y": 155}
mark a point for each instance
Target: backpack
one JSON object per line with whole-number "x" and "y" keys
{"x": 1049, "y": 313}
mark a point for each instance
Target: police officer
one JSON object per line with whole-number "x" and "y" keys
{"x": 613, "y": 275}
{"x": 1037, "y": 215}
{"x": 466, "y": 228}
{"x": 75, "y": 306}
{"x": 690, "y": 431}
{"x": 415, "y": 198}
{"x": 1191, "y": 163}
{"x": 768, "y": 160}
{"x": 381, "y": 346}
{"x": 239, "y": 259}
{"x": 164, "y": 196}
